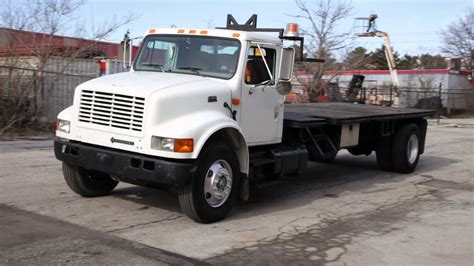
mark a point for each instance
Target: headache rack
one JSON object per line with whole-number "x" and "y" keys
{"x": 251, "y": 25}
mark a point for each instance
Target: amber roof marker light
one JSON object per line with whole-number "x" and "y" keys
{"x": 292, "y": 30}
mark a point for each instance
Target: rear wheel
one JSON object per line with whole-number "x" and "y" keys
{"x": 210, "y": 195}
{"x": 88, "y": 183}
{"x": 406, "y": 148}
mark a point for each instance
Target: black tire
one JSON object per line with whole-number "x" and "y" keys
{"x": 384, "y": 154}
{"x": 88, "y": 183}
{"x": 406, "y": 156}
{"x": 192, "y": 197}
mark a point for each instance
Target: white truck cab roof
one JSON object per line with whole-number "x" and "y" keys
{"x": 225, "y": 33}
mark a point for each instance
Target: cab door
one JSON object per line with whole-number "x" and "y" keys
{"x": 261, "y": 105}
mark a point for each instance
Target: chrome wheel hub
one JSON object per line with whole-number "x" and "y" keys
{"x": 412, "y": 149}
{"x": 218, "y": 183}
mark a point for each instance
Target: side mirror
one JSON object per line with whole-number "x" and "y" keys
{"x": 283, "y": 87}
{"x": 286, "y": 63}
{"x": 127, "y": 53}
{"x": 285, "y": 73}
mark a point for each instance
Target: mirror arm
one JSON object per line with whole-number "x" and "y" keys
{"x": 265, "y": 61}
{"x": 232, "y": 112}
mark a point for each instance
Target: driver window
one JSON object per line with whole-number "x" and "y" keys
{"x": 158, "y": 53}
{"x": 255, "y": 70}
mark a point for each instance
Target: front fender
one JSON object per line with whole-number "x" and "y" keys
{"x": 200, "y": 126}
{"x": 230, "y": 130}
{"x": 67, "y": 114}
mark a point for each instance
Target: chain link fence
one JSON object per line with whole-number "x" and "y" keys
{"x": 28, "y": 92}
{"x": 37, "y": 93}
{"x": 446, "y": 101}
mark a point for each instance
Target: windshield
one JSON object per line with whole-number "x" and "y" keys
{"x": 197, "y": 55}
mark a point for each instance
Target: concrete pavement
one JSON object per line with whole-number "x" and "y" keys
{"x": 346, "y": 212}
{"x": 32, "y": 239}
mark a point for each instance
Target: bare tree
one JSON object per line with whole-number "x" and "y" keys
{"x": 323, "y": 37}
{"x": 22, "y": 88}
{"x": 458, "y": 40}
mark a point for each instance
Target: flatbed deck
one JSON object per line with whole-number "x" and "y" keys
{"x": 336, "y": 113}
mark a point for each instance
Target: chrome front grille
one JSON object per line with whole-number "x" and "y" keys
{"x": 112, "y": 110}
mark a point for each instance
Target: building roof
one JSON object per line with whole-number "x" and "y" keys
{"x": 25, "y": 43}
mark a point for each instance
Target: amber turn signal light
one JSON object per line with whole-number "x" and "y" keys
{"x": 235, "y": 101}
{"x": 183, "y": 145}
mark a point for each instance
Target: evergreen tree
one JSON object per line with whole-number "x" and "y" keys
{"x": 357, "y": 59}
{"x": 408, "y": 62}
{"x": 377, "y": 59}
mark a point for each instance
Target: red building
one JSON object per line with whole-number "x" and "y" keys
{"x": 27, "y": 43}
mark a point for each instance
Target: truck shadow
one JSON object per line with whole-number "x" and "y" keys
{"x": 346, "y": 173}
{"x": 320, "y": 180}
{"x": 149, "y": 198}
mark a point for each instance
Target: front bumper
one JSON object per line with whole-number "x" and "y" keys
{"x": 126, "y": 166}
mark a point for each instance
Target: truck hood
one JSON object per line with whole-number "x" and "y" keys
{"x": 143, "y": 84}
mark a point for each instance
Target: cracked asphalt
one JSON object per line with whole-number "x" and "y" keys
{"x": 346, "y": 212}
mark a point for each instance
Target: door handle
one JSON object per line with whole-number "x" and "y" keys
{"x": 251, "y": 90}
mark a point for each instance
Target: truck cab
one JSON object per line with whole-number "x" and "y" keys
{"x": 188, "y": 92}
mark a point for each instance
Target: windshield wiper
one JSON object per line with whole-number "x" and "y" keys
{"x": 193, "y": 69}
{"x": 154, "y": 66}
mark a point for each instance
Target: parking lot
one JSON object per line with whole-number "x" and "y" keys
{"x": 346, "y": 212}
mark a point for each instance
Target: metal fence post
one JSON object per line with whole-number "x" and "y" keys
{"x": 391, "y": 91}
{"x": 440, "y": 106}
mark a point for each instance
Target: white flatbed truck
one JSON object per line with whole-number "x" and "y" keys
{"x": 202, "y": 112}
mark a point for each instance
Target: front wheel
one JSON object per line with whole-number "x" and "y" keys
{"x": 88, "y": 183}
{"x": 210, "y": 195}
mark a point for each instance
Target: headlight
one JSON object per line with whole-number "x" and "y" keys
{"x": 63, "y": 126}
{"x": 169, "y": 144}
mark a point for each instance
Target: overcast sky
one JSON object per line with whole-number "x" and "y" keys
{"x": 413, "y": 25}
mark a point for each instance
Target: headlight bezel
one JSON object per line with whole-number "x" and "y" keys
{"x": 63, "y": 126}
